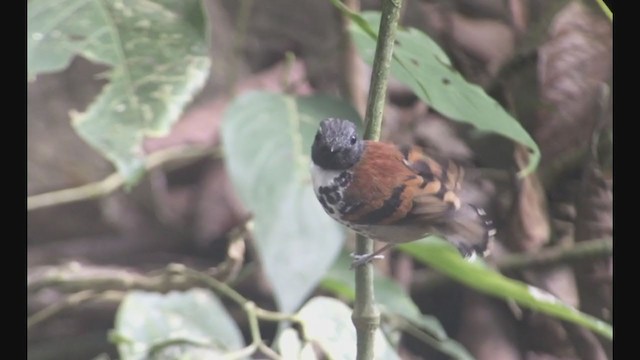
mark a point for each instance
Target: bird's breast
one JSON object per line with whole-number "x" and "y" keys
{"x": 330, "y": 187}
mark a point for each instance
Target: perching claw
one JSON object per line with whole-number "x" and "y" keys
{"x": 361, "y": 259}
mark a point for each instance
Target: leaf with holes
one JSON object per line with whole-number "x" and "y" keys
{"x": 420, "y": 63}
{"x": 192, "y": 323}
{"x": 158, "y": 54}
{"x": 267, "y": 141}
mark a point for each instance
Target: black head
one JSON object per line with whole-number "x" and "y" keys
{"x": 337, "y": 145}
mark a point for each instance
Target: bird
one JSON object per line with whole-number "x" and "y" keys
{"x": 394, "y": 194}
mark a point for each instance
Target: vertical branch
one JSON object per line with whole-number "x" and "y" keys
{"x": 381, "y": 65}
{"x": 366, "y": 317}
{"x": 239, "y": 37}
{"x": 350, "y": 84}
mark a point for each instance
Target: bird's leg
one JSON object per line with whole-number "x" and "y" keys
{"x": 361, "y": 259}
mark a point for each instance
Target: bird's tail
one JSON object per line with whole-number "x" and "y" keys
{"x": 470, "y": 229}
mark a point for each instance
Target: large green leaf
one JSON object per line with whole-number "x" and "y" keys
{"x": 267, "y": 139}
{"x": 421, "y": 64}
{"x": 327, "y": 322}
{"x": 394, "y": 300}
{"x": 442, "y": 256}
{"x": 158, "y": 54}
{"x": 178, "y": 325}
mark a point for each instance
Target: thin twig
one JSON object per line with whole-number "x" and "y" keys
{"x": 239, "y": 39}
{"x": 114, "y": 181}
{"x": 211, "y": 282}
{"x": 274, "y": 316}
{"x": 266, "y": 350}
{"x": 49, "y": 311}
{"x": 243, "y": 353}
{"x": 81, "y": 278}
{"x": 257, "y": 343}
{"x": 155, "y": 351}
{"x": 70, "y": 301}
{"x": 350, "y": 84}
{"x": 289, "y": 61}
{"x": 175, "y": 276}
{"x": 581, "y": 251}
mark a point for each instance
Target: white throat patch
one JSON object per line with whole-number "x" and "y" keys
{"x": 322, "y": 177}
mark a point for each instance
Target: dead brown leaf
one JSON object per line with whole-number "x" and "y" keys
{"x": 487, "y": 330}
{"x": 479, "y": 45}
{"x": 594, "y": 220}
{"x": 217, "y": 208}
{"x": 572, "y": 64}
{"x": 529, "y": 229}
{"x": 545, "y": 334}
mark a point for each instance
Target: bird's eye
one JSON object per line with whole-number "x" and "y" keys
{"x": 353, "y": 139}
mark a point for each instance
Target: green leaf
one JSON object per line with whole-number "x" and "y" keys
{"x": 442, "y": 256}
{"x": 291, "y": 346}
{"x": 356, "y": 18}
{"x": 421, "y": 64}
{"x": 393, "y": 300}
{"x": 178, "y": 325}
{"x": 327, "y": 322}
{"x": 267, "y": 140}
{"x": 158, "y": 54}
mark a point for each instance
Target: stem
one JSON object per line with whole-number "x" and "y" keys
{"x": 155, "y": 351}
{"x": 71, "y": 301}
{"x": 350, "y": 85}
{"x": 381, "y": 65}
{"x": 250, "y": 308}
{"x": 54, "y": 309}
{"x": 366, "y": 316}
{"x": 218, "y": 286}
{"x": 239, "y": 37}
{"x": 275, "y": 316}
{"x": 114, "y": 181}
{"x": 175, "y": 276}
{"x": 605, "y": 9}
{"x": 579, "y": 252}
{"x": 83, "y": 279}
{"x": 289, "y": 62}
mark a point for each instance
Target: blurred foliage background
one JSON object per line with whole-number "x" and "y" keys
{"x": 171, "y": 158}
